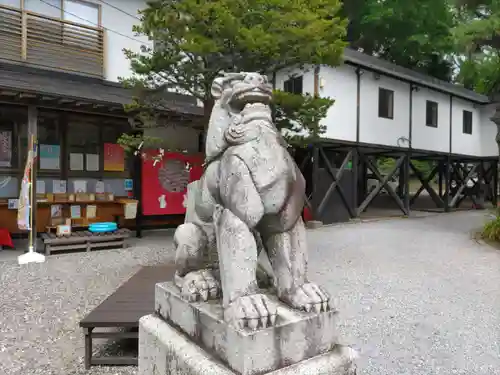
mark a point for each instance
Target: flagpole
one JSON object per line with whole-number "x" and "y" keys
{"x": 32, "y": 256}
{"x": 32, "y": 196}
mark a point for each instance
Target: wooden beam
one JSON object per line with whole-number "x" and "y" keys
{"x": 335, "y": 184}
{"x": 383, "y": 184}
{"x": 81, "y": 104}
{"x": 8, "y": 93}
{"x": 24, "y": 95}
{"x": 425, "y": 185}
{"x": 463, "y": 186}
{"x": 65, "y": 101}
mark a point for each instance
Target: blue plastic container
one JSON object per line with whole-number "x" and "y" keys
{"x": 102, "y": 227}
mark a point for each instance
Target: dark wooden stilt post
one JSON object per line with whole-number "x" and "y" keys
{"x": 363, "y": 180}
{"x": 440, "y": 179}
{"x": 495, "y": 184}
{"x": 315, "y": 175}
{"x": 447, "y": 183}
{"x": 355, "y": 173}
{"x": 406, "y": 181}
{"x": 88, "y": 348}
{"x": 401, "y": 181}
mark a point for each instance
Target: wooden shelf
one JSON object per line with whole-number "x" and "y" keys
{"x": 76, "y": 202}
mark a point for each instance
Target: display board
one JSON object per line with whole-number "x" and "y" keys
{"x": 164, "y": 185}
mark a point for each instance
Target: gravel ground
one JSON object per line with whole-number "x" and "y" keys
{"x": 416, "y": 296}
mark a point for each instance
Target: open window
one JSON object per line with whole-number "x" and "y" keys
{"x": 385, "y": 103}
{"x": 431, "y": 114}
{"x": 467, "y": 122}
{"x": 294, "y": 85}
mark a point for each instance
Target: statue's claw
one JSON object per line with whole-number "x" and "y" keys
{"x": 198, "y": 286}
{"x": 308, "y": 297}
{"x": 253, "y": 312}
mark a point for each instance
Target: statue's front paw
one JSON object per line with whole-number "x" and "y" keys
{"x": 199, "y": 285}
{"x": 308, "y": 297}
{"x": 253, "y": 311}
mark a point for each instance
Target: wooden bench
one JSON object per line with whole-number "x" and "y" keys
{"x": 85, "y": 240}
{"x": 123, "y": 309}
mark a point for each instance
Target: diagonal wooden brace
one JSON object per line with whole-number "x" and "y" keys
{"x": 335, "y": 184}
{"x": 463, "y": 186}
{"x": 383, "y": 183}
{"x": 425, "y": 185}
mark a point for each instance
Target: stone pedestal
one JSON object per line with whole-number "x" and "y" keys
{"x": 192, "y": 338}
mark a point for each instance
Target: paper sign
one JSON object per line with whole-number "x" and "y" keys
{"x": 50, "y": 157}
{"x": 40, "y": 187}
{"x": 128, "y": 184}
{"x": 63, "y": 230}
{"x": 76, "y": 162}
{"x": 91, "y": 211}
{"x": 13, "y": 204}
{"x": 6, "y": 148}
{"x": 92, "y": 162}
{"x": 76, "y": 212}
{"x": 80, "y": 186}
{"x": 114, "y": 157}
{"x": 56, "y": 210}
{"x": 130, "y": 210}
{"x": 59, "y": 186}
{"x": 99, "y": 187}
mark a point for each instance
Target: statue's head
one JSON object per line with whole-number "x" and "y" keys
{"x": 241, "y": 111}
{"x": 239, "y": 89}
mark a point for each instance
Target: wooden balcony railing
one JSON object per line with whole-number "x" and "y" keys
{"x": 51, "y": 43}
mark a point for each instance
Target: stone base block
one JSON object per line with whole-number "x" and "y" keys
{"x": 163, "y": 350}
{"x": 295, "y": 337}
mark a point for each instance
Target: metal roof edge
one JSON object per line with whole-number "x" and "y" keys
{"x": 385, "y": 67}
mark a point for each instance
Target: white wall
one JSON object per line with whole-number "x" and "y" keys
{"x": 425, "y": 137}
{"x": 339, "y": 84}
{"x": 116, "y": 65}
{"x": 465, "y": 144}
{"x": 382, "y": 131}
{"x": 308, "y": 78}
{"x": 489, "y": 146}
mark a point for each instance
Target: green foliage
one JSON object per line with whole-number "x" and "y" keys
{"x": 298, "y": 116}
{"x": 477, "y": 39}
{"x": 131, "y": 143}
{"x": 196, "y": 41}
{"x": 491, "y": 230}
{"x": 385, "y": 164}
{"x": 481, "y": 72}
{"x": 415, "y": 35}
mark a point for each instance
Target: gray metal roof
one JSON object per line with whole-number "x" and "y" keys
{"x": 384, "y": 67}
{"x": 43, "y": 82}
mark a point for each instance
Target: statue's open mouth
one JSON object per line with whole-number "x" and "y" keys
{"x": 248, "y": 94}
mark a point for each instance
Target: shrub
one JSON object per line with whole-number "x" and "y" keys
{"x": 491, "y": 230}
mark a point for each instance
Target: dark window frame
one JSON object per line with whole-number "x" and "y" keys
{"x": 385, "y": 103}
{"x": 294, "y": 85}
{"x": 467, "y": 122}
{"x": 431, "y": 114}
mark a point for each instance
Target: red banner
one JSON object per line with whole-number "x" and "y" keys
{"x": 164, "y": 185}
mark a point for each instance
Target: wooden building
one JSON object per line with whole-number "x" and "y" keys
{"x": 384, "y": 110}
{"x": 59, "y": 66}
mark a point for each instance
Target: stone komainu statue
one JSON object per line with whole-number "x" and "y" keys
{"x": 249, "y": 199}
